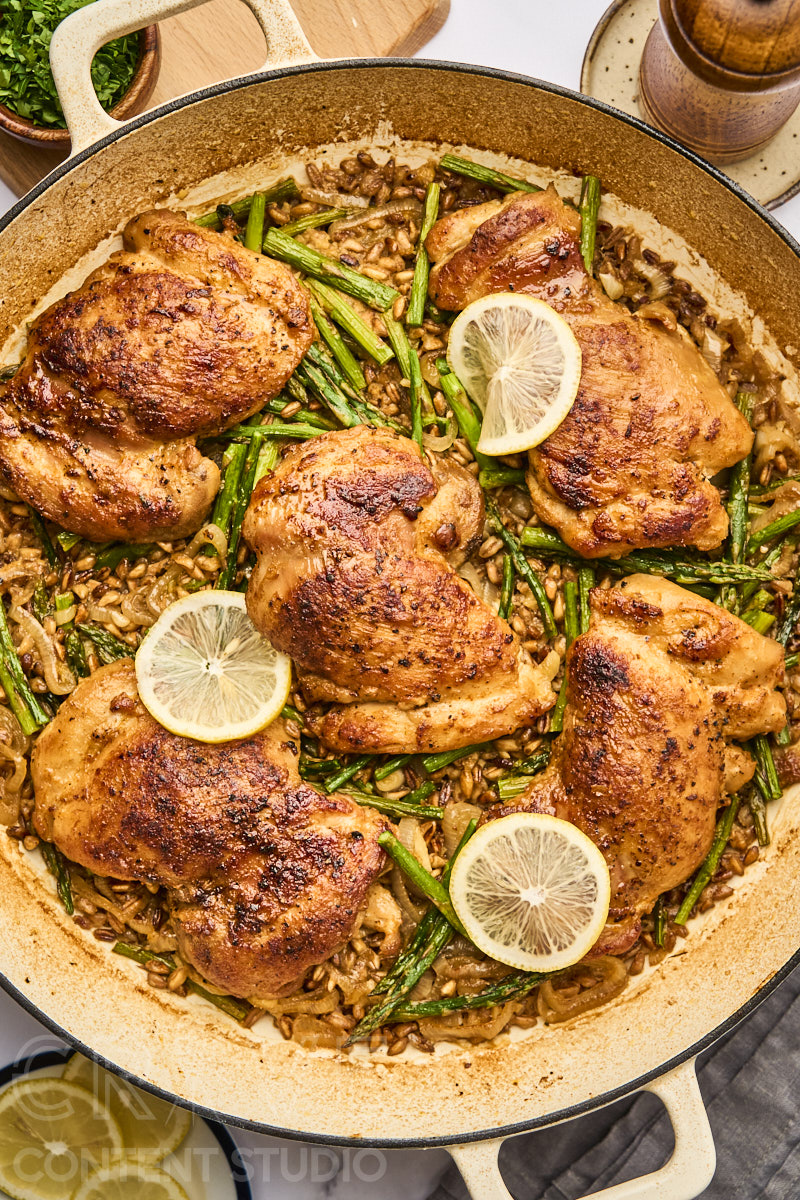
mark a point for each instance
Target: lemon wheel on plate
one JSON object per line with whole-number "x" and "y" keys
{"x": 130, "y": 1181}
{"x": 151, "y": 1128}
{"x": 51, "y": 1132}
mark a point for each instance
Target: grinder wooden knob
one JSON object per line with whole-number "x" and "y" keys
{"x": 722, "y": 76}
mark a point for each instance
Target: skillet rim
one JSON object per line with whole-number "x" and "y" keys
{"x": 497, "y": 1133}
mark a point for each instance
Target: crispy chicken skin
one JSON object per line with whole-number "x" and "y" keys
{"x": 629, "y": 466}
{"x": 658, "y": 688}
{"x": 356, "y": 542}
{"x": 180, "y": 335}
{"x": 265, "y": 876}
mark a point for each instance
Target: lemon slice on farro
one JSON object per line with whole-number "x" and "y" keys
{"x": 531, "y": 891}
{"x": 151, "y": 1128}
{"x": 130, "y": 1181}
{"x": 521, "y": 364}
{"x": 205, "y": 672}
{"x": 51, "y": 1133}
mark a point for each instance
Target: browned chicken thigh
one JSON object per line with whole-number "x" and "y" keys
{"x": 180, "y": 335}
{"x": 658, "y": 688}
{"x": 629, "y": 467}
{"x": 265, "y": 876}
{"x": 356, "y": 541}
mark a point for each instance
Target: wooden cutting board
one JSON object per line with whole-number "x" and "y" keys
{"x": 222, "y": 39}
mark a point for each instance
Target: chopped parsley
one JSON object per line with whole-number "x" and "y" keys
{"x": 26, "y": 84}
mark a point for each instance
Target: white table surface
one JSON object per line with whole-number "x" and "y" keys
{"x": 545, "y": 39}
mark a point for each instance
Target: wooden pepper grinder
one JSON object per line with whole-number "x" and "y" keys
{"x": 722, "y": 76}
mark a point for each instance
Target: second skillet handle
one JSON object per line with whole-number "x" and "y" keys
{"x": 688, "y": 1172}
{"x": 80, "y": 36}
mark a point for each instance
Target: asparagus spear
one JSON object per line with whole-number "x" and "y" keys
{"x": 254, "y": 230}
{"x": 400, "y": 344}
{"x": 393, "y": 764}
{"x": 790, "y": 618}
{"x": 56, "y": 865}
{"x": 513, "y": 987}
{"x": 589, "y": 206}
{"x": 659, "y": 921}
{"x": 341, "y": 352}
{"x": 758, "y": 619}
{"x": 511, "y": 785}
{"x": 345, "y": 315}
{"x": 766, "y": 764}
{"x": 468, "y": 423}
{"x": 430, "y": 938}
{"x": 113, "y": 555}
{"x": 394, "y": 808}
{"x": 497, "y": 179}
{"x": 227, "y": 1003}
{"x": 507, "y": 590}
{"x": 298, "y": 430}
{"x": 585, "y": 585}
{"x": 303, "y": 258}
{"x": 738, "y": 502}
{"x": 571, "y": 631}
{"x": 416, "y": 397}
{"x": 432, "y": 888}
{"x": 435, "y": 762}
{"x": 711, "y": 862}
{"x": 495, "y": 477}
{"x": 40, "y": 530}
{"x": 23, "y": 703}
{"x": 367, "y": 413}
{"x": 547, "y": 544}
{"x": 232, "y": 463}
{"x": 109, "y": 648}
{"x": 284, "y": 189}
{"x": 330, "y": 395}
{"x": 313, "y": 221}
{"x": 415, "y": 314}
{"x": 523, "y": 568}
{"x": 67, "y": 540}
{"x": 346, "y": 773}
{"x": 76, "y": 655}
{"x": 757, "y": 796}
{"x": 248, "y": 481}
{"x": 303, "y": 416}
{"x": 775, "y": 529}
{"x": 40, "y": 601}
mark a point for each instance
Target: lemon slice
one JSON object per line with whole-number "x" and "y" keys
{"x": 520, "y": 363}
{"x": 531, "y": 891}
{"x": 205, "y": 672}
{"x": 151, "y": 1128}
{"x": 130, "y": 1181}
{"x": 51, "y": 1132}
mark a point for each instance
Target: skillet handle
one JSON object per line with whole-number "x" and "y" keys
{"x": 81, "y": 34}
{"x": 688, "y": 1172}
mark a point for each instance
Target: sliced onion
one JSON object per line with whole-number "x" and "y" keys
{"x": 11, "y": 734}
{"x": 784, "y": 500}
{"x": 481, "y": 1024}
{"x": 333, "y": 199}
{"x": 65, "y": 615}
{"x": 406, "y": 205}
{"x": 443, "y": 441}
{"x": 209, "y": 535}
{"x": 312, "y": 1033}
{"x": 58, "y": 677}
{"x": 613, "y": 979}
{"x": 456, "y": 818}
{"x": 319, "y": 1001}
{"x": 481, "y": 585}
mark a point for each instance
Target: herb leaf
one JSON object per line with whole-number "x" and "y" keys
{"x": 26, "y": 84}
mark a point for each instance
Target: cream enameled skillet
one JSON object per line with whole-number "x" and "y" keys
{"x": 225, "y": 140}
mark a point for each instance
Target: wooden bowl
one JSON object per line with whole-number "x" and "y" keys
{"x": 133, "y": 101}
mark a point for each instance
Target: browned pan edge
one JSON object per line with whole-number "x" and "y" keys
{"x": 746, "y": 1009}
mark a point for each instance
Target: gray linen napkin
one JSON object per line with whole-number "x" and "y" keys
{"x": 752, "y": 1095}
